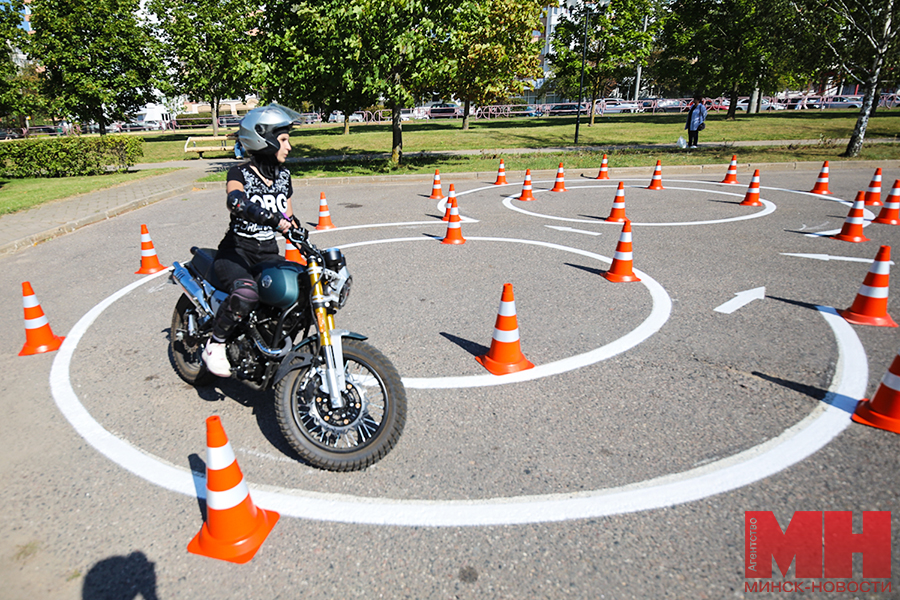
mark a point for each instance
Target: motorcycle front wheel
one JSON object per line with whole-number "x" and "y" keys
{"x": 360, "y": 433}
{"x": 185, "y": 350}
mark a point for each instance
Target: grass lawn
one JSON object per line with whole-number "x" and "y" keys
{"x": 19, "y": 194}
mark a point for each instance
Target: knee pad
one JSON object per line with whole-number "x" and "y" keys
{"x": 243, "y": 298}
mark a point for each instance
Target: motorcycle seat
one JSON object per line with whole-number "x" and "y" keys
{"x": 202, "y": 263}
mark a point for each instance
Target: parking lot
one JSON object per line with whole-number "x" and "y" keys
{"x": 619, "y": 467}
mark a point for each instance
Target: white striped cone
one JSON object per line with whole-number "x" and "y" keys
{"x": 324, "y": 214}
{"x": 454, "y": 233}
{"x": 39, "y": 337}
{"x": 505, "y": 355}
{"x": 873, "y": 193}
{"x": 617, "y": 214}
{"x": 890, "y": 212}
{"x": 149, "y": 261}
{"x": 451, "y": 199}
{"x": 604, "y": 169}
{"x": 501, "y": 174}
{"x": 656, "y": 181}
{"x": 870, "y": 306}
{"x": 731, "y": 174}
{"x": 883, "y": 410}
{"x": 751, "y": 198}
{"x": 560, "y": 184}
{"x": 621, "y": 269}
{"x": 436, "y": 192}
{"x": 852, "y": 230}
{"x": 821, "y": 186}
{"x": 526, "y": 187}
{"x": 235, "y": 528}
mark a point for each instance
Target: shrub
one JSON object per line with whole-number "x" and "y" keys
{"x": 69, "y": 156}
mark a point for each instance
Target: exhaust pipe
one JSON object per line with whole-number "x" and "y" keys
{"x": 193, "y": 289}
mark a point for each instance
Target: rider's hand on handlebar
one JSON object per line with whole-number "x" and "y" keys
{"x": 284, "y": 226}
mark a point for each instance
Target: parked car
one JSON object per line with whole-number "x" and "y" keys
{"x": 566, "y": 110}
{"x": 765, "y": 104}
{"x": 524, "y": 110}
{"x": 230, "y": 121}
{"x": 308, "y": 119}
{"x": 133, "y": 126}
{"x": 153, "y": 125}
{"x": 10, "y": 134}
{"x": 42, "y": 130}
{"x": 338, "y": 117}
{"x": 843, "y": 102}
{"x": 445, "y": 110}
{"x": 615, "y": 105}
{"x": 671, "y": 105}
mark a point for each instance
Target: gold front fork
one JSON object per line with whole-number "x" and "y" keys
{"x": 334, "y": 362}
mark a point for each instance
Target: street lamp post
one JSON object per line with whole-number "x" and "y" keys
{"x": 587, "y": 18}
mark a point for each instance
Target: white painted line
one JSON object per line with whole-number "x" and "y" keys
{"x": 825, "y": 422}
{"x": 573, "y": 230}
{"x": 741, "y": 299}
{"x": 827, "y": 257}
{"x": 769, "y": 209}
{"x": 659, "y": 314}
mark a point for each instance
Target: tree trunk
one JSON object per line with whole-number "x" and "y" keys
{"x": 732, "y": 103}
{"x": 397, "y": 129}
{"x": 465, "y": 125}
{"x": 753, "y": 105}
{"x": 346, "y": 124}
{"x": 214, "y": 107}
{"x": 862, "y": 121}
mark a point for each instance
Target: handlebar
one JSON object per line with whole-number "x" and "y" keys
{"x": 300, "y": 238}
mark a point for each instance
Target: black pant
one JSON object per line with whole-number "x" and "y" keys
{"x": 693, "y": 134}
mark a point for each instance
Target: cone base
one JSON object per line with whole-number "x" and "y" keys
{"x": 433, "y": 197}
{"x": 751, "y": 203}
{"x": 324, "y": 227}
{"x": 735, "y": 182}
{"x": 525, "y": 198}
{"x": 241, "y": 551}
{"x": 498, "y": 368}
{"x": 821, "y": 192}
{"x": 559, "y": 190}
{"x": 617, "y": 278}
{"x": 150, "y": 270}
{"x": 856, "y": 239}
{"x": 876, "y": 203}
{"x": 886, "y": 221}
{"x": 860, "y": 319}
{"x": 30, "y": 349}
{"x": 501, "y": 182}
{"x": 458, "y": 240}
{"x": 612, "y": 219}
{"x": 865, "y": 415}
{"x": 655, "y": 187}
{"x": 602, "y": 177}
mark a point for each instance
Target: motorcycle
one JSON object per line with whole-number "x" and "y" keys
{"x": 339, "y": 402}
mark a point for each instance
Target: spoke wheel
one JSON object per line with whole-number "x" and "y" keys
{"x": 185, "y": 350}
{"x": 352, "y": 437}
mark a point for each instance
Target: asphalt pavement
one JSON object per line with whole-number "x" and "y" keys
{"x": 620, "y": 467}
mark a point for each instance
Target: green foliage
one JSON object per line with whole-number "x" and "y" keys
{"x": 69, "y": 156}
{"x": 210, "y": 47}
{"x": 10, "y": 30}
{"x": 100, "y": 59}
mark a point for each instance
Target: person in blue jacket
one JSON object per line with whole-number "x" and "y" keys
{"x": 695, "y": 121}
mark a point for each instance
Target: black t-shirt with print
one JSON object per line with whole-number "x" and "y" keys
{"x": 272, "y": 197}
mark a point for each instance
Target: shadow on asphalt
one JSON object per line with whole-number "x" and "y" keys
{"x": 121, "y": 578}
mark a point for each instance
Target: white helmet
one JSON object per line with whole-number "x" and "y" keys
{"x": 260, "y": 128}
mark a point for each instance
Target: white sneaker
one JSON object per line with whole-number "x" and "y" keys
{"x": 216, "y": 359}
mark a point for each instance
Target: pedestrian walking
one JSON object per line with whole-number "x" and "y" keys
{"x": 696, "y": 121}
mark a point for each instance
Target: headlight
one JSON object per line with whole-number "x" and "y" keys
{"x": 345, "y": 291}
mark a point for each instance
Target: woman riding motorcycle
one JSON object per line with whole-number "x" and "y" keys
{"x": 259, "y": 200}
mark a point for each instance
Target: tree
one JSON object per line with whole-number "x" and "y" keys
{"x": 616, "y": 41}
{"x": 491, "y": 51}
{"x": 99, "y": 59}
{"x": 16, "y": 40}
{"x": 862, "y": 38}
{"x": 208, "y": 47}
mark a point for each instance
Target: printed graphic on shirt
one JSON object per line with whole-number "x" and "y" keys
{"x": 273, "y": 198}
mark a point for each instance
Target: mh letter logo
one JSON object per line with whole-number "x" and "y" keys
{"x": 822, "y": 543}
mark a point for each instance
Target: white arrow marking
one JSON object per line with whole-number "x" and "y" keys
{"x": 741, "y": 299}
{"x": 572, "y": 229}
{"x": 827, "y": 257}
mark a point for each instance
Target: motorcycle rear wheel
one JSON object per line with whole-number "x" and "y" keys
{"x": 360, "y": 434}
{"x": 184, "y": 351}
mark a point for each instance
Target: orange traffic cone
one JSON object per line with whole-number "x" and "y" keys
{"x": 731, "y": 174}
{"x": 501, "y": 174}
{"x": 235, "y": 528}
{"x": 604, "y": 169}
{"x": 852, "y": 231}
{"x": 560, "y": 185}
{"x": 870, "y": 306}
{"x": 751, "y": 198}
{"x": 436, "y": 193}
{"x": 454, "y": 234}
{"x": 149, "y": 261}
{"x": 656, "y": 182}
{"x": 890, "y": 212}
{"x": 505, "y": 355}
{"x": 621, "y": 269}
{"x": 292, "y": 254}
{"x": 883, "y": 410}
{"x": 821, "y": 186}
{"x": 451, "y": 198}
{"x": 526, "y": 187}
{"x": 873, "y": 194}
{"x": 617, "y": 214}
{"x": 39, "y": 337}
{"x": 324, "y": 214}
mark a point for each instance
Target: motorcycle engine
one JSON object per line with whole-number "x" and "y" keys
{"x": 242, "y": 357}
